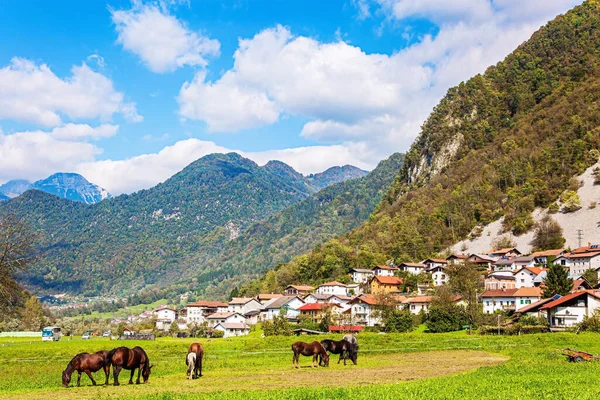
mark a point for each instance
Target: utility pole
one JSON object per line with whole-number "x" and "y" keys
{"x": 498, "y": 324}
{"x": 579, "y": 237}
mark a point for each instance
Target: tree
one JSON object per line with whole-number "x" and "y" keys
{"x": 174, "y": 328}
{"x": 571, "y": 201}
{"x": 591, "y": 276}
{"x": 504, "y": 242}
{"x": 327, "y": 320}
{"x": 235, "y": 292}
{"x": 386, "y": 305}
{"x": 548, "y": 235}
{"x": 557, "y": 281}
{"x": 399, "y": 321}
{"x": 466, "y": 280}
{"x": 32, "y": 316}
{"x": 16, "y": 255}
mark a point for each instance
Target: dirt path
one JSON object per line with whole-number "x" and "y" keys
{"x": 386, "y": 369}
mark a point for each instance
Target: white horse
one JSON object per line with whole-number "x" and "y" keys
{"x": 191, "y": 363}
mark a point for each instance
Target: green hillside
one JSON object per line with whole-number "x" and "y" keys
{"x": 500, "y": 144}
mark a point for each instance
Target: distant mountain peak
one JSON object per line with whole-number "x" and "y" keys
{"x": 72, "y": 186}
{"x": 334, "y": 175}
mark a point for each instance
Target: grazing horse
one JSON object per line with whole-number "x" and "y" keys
{"x": 352, "y": 340}
{"x": 342, "y": 347}
{"x": 88, "y": 363}
{"x": 314, "y": 349}
{"x": 191, "y": 364}
{"x": 197, "y": 349}
{"x": 130, "y": 359}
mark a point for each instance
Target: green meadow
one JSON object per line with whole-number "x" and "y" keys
{"x": 393, "y": 366}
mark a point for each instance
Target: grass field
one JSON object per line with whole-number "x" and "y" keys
{"x": 406, "y": 366}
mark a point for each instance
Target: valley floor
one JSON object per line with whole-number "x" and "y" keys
{"x": 414, "y": 365}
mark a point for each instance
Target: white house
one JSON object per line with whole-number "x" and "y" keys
{"x": 505, "y": 265}
{"x": 542, "y": 257}
{"x": 359, "y": 275}
{"x": 233, "y": 329}
{"x": 498, "y": 300}
{"x": 413, "y": 268}
{"x": 499, "y": 280}
{"x": 353, "y": 289}
{"x": 243, "y": 305}
{"x": 385, "y": 270}
{"x": 581, "y": 262}
{"x": 525, "y": 277}
{"x": 165, "y": 316}
{"x": 418, "y": 303}
{"x": 431, "y": 263}
{"x": 199, "y": 310}
{"x": 482, "y": 260}
{"x": 264, "y": 298}
{"x": 225, "y": 317}
{"x": 457, "y": 259}
{"x": 439, "y": 275}
{"x": 508, "y": 252}
{"x": 317, "y": 298}
{"x": 361, "y": 310}
{"x": 524, "y": 261}
{"x": 572, "y": 308}
{"x": 333, "y": 288}
{"x": 288, "y": 305}
{"x": 526, "y": 296}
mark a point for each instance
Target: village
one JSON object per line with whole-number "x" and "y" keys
{"x": 513, "y": 284}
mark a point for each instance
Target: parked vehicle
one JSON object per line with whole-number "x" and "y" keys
{"x": 86, "y": 335}
{"x": 106, "y": 334}
{"x": 51, "y": 333}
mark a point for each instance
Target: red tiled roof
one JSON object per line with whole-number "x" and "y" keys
{"x": 317, "y": 306}
{"x": 365, "y": 298}
{"x": 241, "y": 300}
{"x": 302, "y": 287}
{"x": 389, "y": 280}
{"x": 585, "y": 249}
{"x": 436, "y": 260}
{"x": 533, "y": 270}
{"x": 502, "y": 251}
{"x": 459, "y": 256}
{"x": 579, "y": 282}
{"x": 568, "y": 297}
{"x": 534, "y": 306}
{"x": 588, "y": 254}
{"x": 205, "y": 303}
{"x": 418, "y": 299}
{"x": 528, "y": 292}
{"x": 416, "y": 265}
{"x": 386, "y": 267}
{"x": 548, "y": 253}
{"x": 499, "y": 293}
{"x": 333, "y": 283}
{"x": 268, "y": 296}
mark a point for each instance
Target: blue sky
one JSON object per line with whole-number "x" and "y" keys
{"x": 128, "y": 93}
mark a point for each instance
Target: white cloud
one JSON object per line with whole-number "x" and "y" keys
{"x": 33, "y": 93}
{"x": 144, "y": 171}
{"x": 84, "y": 131}
{"x": 162, "y": 41}
{"x": 35, "y": 155}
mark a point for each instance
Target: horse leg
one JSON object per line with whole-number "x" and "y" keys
{"x": 116, "y": 372}
{"x": 131, "y": 376}
{"x": 91, "y": 377}
{"x": 78, "y": 378}
{"x": 199, "y": 373}
{"x": 106, "y": 373}
{"x": 137, "y": 382}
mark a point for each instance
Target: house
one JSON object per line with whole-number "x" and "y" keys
{"x": 526, "y": 296}
{"x": 457, "y": 259}
{"x": 499, "y": 281}
{"x": 232, "y": 329}
{"x": 252, "y": 317}
{"x": 286, "y": 305}
{"x": 362, "y": 310}
{"x": 385, "y": 270}
{"x": 199, "y": 310}
{"x": 317, "y": 298}
{"x": 413, "y": 268}
{"x": 353, "y": 289}
{"x": 385, "y": 284}
{"x": 525, "y": 277}
{"x": 534, "y": 308}
{"x": 582, "y": 261}
{"x": 494, "y": 300}
{"x": 569, "y": 310}
{"x": 165, "y": 316}
{"x": 542, "y": 257}
{"x": 316, "y": 311}
{"x": 243, "y": 305}
{"x": 508, "y": 252}
{"x": 505, "y": 265}
{"x": 333, "y": 287}
{"x": 482, "y": 260}
{"x": 439, "y": 275}
{"x": 580, "y": 284}
{"x": 417, "y": 304}
{"x": 298, "y": 290}
{"x": 524, "y": 261}
{"x": 264, "y": 298}
{"x": 431, "y": 263}
{"x": 224, "y": 317}
{"x": 359, "y": 275}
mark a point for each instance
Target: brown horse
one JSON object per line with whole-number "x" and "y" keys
{"x": 343, "y": 347}
{"x": 314, "y": 349}
{"x": 88, "y": 363}
{"x": 199, "y": 351}
{"x": 130, "y": 359}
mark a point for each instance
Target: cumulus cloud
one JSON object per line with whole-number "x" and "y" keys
{"x": 34, "y": 155}
{"x": 163, "y": 42}
{"x": 84, "y": 131}
{"x": 140, "y": 172}
{"x": 33, "y": 93}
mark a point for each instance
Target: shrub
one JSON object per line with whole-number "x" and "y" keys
{"x": 400, "y": 321}
{"x": 217, "y": 334}
{"x": 446, "y": 319}
{"x": 590, "y": 324}
{"x": 530, "y": 320}
{"x": 571, "y": 201}
{"x": 514, "y": 329}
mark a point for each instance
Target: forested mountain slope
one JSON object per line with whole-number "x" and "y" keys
{"x": 157, "y": 236}
{"x": 500, "y": 144}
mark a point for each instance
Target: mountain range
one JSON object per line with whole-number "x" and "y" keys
{"x": 68, "y": 186}
{"x": 163, "y": 234}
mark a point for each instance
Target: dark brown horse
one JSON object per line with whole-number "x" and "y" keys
{"x": 199, "y": 351}
{"x": 88, "y": 363}
{"x": 314, "y": 349}
{"x": 344, "y": 348}
{"x": 130, "y": 359}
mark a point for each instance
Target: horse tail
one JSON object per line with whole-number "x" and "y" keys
{"x": 110, "y": 355}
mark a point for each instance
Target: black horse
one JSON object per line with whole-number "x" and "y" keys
{"x": 344, "y": 348}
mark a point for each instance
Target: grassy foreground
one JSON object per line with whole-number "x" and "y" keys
{"x": 405, "y": 366}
